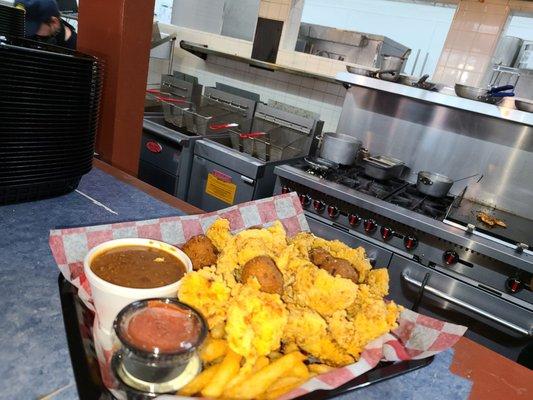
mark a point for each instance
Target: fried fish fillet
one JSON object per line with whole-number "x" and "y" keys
{"x": 208, "y": 293}
{"x": 255, "y": 321}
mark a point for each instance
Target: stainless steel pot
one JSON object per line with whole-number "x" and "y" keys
{"x": 391, "y": 66}
{"x": 382, "y": 167}
{"x": 433, "y": 184}
{"x": 340, "y": 148}
{"x": 437, "y": 185}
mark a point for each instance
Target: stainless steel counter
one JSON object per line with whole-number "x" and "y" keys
{"x": 447, "y": 100}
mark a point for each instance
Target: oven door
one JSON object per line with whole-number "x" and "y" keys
{"x": 495, "y": 323}
{"x": 378, "y": 256}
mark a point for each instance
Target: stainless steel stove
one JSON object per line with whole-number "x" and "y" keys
{"x": 444, "y": 270}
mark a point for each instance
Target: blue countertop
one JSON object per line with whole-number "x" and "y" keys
{"x": 34, "y": 358}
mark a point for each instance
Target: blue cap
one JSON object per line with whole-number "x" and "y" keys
{"x": 37, "y": 12}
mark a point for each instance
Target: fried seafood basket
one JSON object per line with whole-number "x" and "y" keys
{"x": 416, "y": 336}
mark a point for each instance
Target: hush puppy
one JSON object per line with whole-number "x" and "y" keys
{"x": 334, "y": 266}
{"x": 201, "y": 251}
{"x": 264, "y": 269}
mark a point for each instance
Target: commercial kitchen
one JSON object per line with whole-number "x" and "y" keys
{"x": 180, "y": 108}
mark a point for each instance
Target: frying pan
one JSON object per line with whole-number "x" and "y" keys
{"x": 492, "y": 96}
{"x": 524, "y": 105}
{"x": 421, "y": 83}
{"x": 361, "y": 70}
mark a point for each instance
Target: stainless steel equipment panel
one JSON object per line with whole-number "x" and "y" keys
{"x": 161, "y": 153}
{"x": 156, "y": 177}
{"x": 201, "y": 169}
{"x": 171, "y": 153}
{"x": 355, "y": 47}
{"x": 499, "y": 325}
{"x": 456, "y": 143}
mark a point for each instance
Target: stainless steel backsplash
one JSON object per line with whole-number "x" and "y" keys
{"x": 453, "y": 142}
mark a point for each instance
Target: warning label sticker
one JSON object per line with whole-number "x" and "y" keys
{"x": 219, "y": 189}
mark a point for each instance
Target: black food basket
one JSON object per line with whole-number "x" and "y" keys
{"x": 49, "y": 112}
{"x": 11, "y": 21}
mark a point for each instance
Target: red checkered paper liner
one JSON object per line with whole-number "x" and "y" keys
{"x": 417, "y": 336}
{"x": 69, "y": 246}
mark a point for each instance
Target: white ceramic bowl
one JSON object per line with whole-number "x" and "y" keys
{"x": 109, "y": 298}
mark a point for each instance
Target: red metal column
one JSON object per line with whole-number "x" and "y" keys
{"x": 119, "y": 33}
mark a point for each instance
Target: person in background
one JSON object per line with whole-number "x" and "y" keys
{"x": 44, "y": 23}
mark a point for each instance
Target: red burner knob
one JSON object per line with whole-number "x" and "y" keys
{"x": 333, "y": 212}
{"x": 386, "y": 233}
{"x": 370, "y": 226}
{"x": 285, "y": 190}
{"x": 319, "y": 206}
{"x": 513, "y": 285}
{"x": 305, "y": 199}
{"x": 450, "y": 257}
{"x": 354, "y": 219}
{"x": 410, "y": 242}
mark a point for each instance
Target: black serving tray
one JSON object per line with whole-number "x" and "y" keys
{"x": 87, "y": 372}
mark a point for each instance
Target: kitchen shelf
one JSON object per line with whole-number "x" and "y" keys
{"x": 448, "y": 100}
{"x": 202, "y": 51}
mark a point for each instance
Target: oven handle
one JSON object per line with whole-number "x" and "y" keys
{"x": 470, "y": 307}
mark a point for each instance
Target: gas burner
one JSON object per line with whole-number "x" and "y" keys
{"x": 315, "y": 172}
{"x": 320, "y": 164}
{"x": 375, "y": 189}
{"x": 413, "y": 200}
{"x": 433, "y": 210}
{"x": 402, "y": 201}
{"x": 348, "y": 181}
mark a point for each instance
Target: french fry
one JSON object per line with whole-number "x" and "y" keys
{"x": 320, "y": 368}
{"x": 259, "y": 382}
{"x": 229, "y": 368}
{"x": 261, "y": 363}
{"x": 199, "y": 382}
{"x": 300, "y": 371}
{"x": 213, "y": 349}
{"x": 282, "y": 386}
{"x": 283, "y": 382}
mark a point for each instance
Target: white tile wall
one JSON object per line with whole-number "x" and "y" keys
{"x": 471, "y": 40}
{"x": 274, "y": 9}
{"x": 312, "y": 94}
